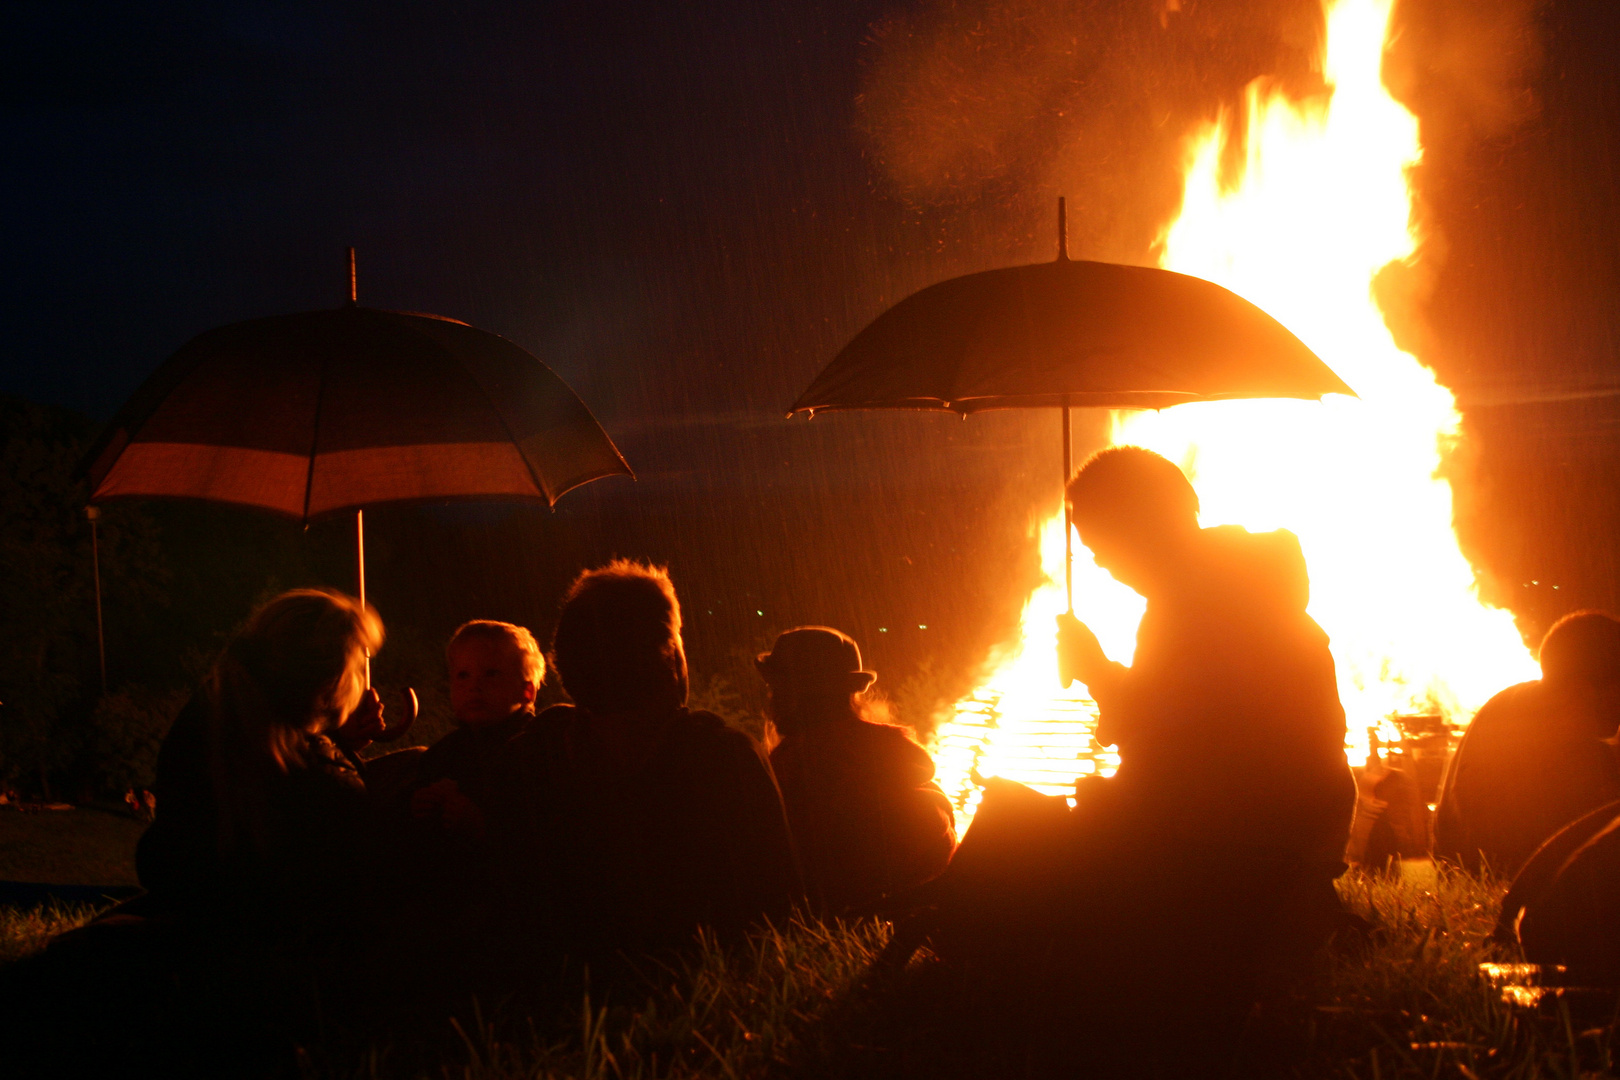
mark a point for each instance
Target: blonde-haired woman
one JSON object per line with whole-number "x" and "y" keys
{"x": 256, "y": 866}
{"x": 260, "y": 799}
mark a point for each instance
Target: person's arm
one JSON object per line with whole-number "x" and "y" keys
{"x": 765, "y": 879}
{"x": 1081, "y": 655}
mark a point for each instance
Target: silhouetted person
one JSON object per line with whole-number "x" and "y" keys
{"x": 636, "y": 819}
{"x": 1207, "y": 863}
{"x": 495, "y": 672}
{"x": 1213, "y": 850}
{"x": 1573, "y": 918}
{"x": 865, "y": 813}
{"x": 256, "y": 864}
{"x": 452, "y": 888}
{"x": 1228, "y": 721}
{"x": 261, "y": 805}
{"x": 1536, "y": 757}
{"x": 1537, "y": 877}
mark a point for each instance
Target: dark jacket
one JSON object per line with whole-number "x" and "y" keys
{"x": 1228, "y": 722}
{"x": 471, "y": 756}
{"x": 1523, "y": 770}
{"x": 631, "y": 860}
{"x": 865, "y": 813}
{"x": 288, "y": 856}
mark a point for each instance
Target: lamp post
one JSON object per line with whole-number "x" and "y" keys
{"x": 93, "y": 513}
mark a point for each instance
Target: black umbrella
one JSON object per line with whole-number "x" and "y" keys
{"x": 325, "y": 412}
{"x": 1068, "y": 333}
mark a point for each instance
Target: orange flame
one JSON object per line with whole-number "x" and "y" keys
{"x": 1322, "y": 205}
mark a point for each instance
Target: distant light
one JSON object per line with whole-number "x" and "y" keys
{"x": 760, "y": 613}
{"x": 883, "y": 629}
{"x": 920, "y": 626}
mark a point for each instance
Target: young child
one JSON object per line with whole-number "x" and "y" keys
{"x": 495, "y": 671}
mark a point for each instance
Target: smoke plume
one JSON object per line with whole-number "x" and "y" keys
{"x": 995, "y": 106}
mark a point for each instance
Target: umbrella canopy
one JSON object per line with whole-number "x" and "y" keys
{"x": 1069, "y": 332}
{"x": 324, "y": 411}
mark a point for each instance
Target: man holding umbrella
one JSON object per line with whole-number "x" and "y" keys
{"x": 1231, "y": 809}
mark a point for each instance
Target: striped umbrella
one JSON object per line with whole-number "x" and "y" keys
{"x": 329, "y": 412}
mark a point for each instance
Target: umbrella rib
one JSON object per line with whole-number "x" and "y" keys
{"x": 506, "y": 427}
{"x": 315, "y": 437}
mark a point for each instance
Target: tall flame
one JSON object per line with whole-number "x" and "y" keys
{"x": 1322, "y": 205}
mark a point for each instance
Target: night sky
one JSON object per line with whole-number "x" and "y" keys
{"x": 686, "y": 210}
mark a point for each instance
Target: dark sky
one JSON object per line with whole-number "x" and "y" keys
{"x": 683, "y": 209}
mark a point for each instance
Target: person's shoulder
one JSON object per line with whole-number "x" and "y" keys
{"x": 194, "y": 712}
{"x": 545, "y": 727}
{"x": 191, "y": 723}
{"x": 891, "y": 737}
{"x": 182, "y": 758}
{"x": 1507, "y": 708}
{"x": 700, "y": 724}
{"x": 897, "y": 746}
{"x": 447, "y": 743}
{"x": 701, "y": 732}
{"x": 1268, "y": 565}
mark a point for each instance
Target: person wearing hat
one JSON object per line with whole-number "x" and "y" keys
{"x": 867, "y": 817}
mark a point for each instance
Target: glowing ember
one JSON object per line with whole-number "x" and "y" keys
{"x": 1321, "y": 206}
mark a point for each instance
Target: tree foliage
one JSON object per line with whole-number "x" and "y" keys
{"x": 49, "y": 677}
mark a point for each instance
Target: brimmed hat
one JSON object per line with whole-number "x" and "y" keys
{"x": 816, "y": 655}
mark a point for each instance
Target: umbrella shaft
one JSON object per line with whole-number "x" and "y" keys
{"x": 1068, "y": 543}
{"x": 360, "y": 571}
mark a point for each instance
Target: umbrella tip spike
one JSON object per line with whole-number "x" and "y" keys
{"x": 1063, "y": 229}
{"x": 354, "y": 282}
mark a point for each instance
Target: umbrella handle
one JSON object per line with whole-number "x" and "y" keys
{"x": 395, "y": 732}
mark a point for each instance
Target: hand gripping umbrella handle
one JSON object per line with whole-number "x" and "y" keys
{"x": 395, "y": 732}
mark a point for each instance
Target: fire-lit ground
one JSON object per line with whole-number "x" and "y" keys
{"x": 1320, "y": 206}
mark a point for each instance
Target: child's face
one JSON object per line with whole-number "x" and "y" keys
{"x": 487, "y": 681}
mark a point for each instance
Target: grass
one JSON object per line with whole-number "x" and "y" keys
{"x": 24, "y": 931}
{"x": 1408, "y": 1002}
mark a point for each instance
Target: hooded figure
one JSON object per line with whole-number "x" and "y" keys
{"x": 866, "y": 815}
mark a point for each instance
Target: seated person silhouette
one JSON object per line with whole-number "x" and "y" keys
{"x": 495, "y": 672}
{"x": 1538, "y": 755}
{"x": 633, "y": 819}
{"x": 865, "y": 813}
{"x": 1564, "y": 906}
{"x": 261, "y": 801}
{"x": 1228, "y": 722}
{"x": 451, "y": 887}
{"x": 257, "y": 866}
{"x": 1217, "y": 842}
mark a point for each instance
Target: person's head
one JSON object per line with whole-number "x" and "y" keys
{"x": 814, "y": 675}
{"x": 618, "y": 642}
{"x": 296, "y": 668}
{"x": 1135, "y": 510}
{"x": 495, "y": 670}
{"x": 1580, "y": 658}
